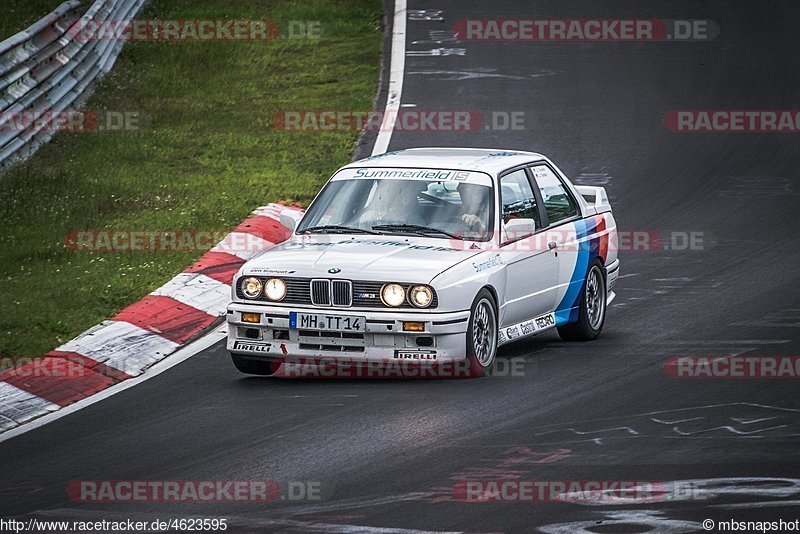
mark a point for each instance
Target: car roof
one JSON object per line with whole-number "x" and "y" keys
{"x": 489, "y": 160}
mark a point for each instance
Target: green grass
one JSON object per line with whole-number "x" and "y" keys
{"x": 16, "y": 15}
{"x": 205, "y": 156}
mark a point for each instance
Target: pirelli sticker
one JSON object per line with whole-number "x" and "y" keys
{"x": 251, "y": 347}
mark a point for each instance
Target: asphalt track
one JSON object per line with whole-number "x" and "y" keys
{"x": 387, "y": 452}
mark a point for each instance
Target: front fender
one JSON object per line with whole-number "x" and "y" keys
{"x": 458, "y": 285}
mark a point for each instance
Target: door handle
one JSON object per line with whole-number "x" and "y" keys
{"x": 552, "y": 244}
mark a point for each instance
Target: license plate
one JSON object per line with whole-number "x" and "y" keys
{"x": 318, "y": 321}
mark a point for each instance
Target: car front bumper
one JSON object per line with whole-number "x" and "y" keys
{"x": 443, "y": 338}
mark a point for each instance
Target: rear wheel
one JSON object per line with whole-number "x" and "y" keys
{"x": 592, "y": 313}
{"x": 252, "y": 366}
{"x": 482, "y": 334}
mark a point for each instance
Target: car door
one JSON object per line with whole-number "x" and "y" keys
{"x": 567, "y": 231}
{"x": 531, "y": 266}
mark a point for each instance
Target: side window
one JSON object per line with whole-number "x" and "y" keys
{"x": 558, "y": 204}
{"x": 517, "y": 197}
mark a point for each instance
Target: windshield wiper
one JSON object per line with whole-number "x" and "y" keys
{"x": 415, "y": 229}
{"x": 336, "y": 229}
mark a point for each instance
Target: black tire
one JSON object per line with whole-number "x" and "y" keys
{"x": 482, "y": 349}
{"x": 589, "y": 325}
{"x": 252, "y": 366}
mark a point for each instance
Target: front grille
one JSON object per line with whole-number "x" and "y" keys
{"x": 321, "y": 292}
{"x": 318, "y": 292}
{"x": 330, "y": 348}
{"x": 331, "y": 341}
{"x": 369, "y": 294}
{"x": 326, "y": 333}
{"x": 297, "y": 291}
{"x": 332, "y": 293}
{"x": 342, "y": 291}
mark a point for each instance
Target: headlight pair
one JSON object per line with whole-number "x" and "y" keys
{"x": 394, "y": 295}
{"x": 273, "y": 289}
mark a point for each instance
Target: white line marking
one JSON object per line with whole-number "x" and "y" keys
{"x": 183, "y": 354}
{"x": 397, "y": 67}
{"x": 728, "y": 428}
{"x": 746, "y": 421}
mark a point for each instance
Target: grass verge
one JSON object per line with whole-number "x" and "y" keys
{"x": 203, "y": 156}
{"x": 16, "y": 15}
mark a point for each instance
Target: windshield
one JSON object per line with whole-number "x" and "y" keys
{"x": 441, "y": 207}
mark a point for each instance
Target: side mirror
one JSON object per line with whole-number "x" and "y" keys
{"x": 290, "y": 218}
{"x": 519, "y": 228}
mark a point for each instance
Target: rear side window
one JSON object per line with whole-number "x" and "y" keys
{"x": 558, "y": 203}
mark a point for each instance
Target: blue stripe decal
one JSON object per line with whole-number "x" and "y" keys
{"x": 568, "y": 309}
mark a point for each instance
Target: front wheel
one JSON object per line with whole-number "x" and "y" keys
{"x": 255, "y": 367}
{"x": 592, "y": 313}
{"x": 482, "y": 334}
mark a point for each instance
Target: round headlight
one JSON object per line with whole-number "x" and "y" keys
{"x": 251, "y": 287}
{"x": 421, "y": 296}
{"x": 393, "y": 295}
{"x": 275, "y": 289}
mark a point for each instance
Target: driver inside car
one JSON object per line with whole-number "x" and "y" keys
{"x": 475, "y": 206}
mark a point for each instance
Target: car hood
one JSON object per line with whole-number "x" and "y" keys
{"x": 384, "y": 258}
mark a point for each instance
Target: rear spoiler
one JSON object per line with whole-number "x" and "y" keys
{"x": 596, "y": 197}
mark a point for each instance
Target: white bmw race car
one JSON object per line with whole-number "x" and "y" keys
{"x": 429, "y": 255}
